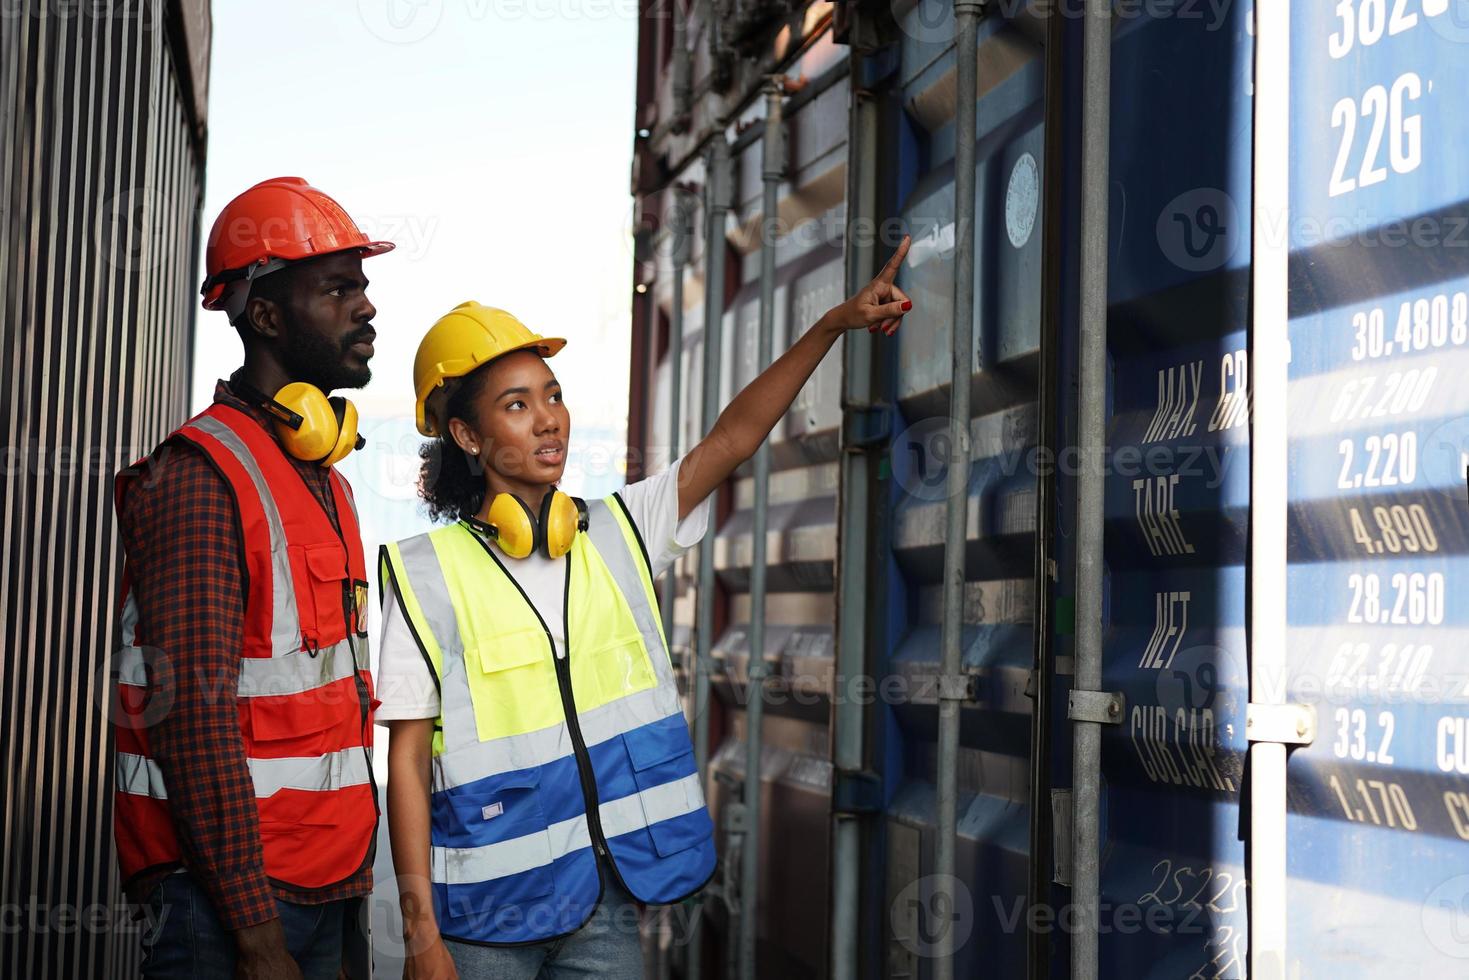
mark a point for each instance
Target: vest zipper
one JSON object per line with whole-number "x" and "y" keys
{"x": 568, "y": 709}
{"x": 578, "y": 743}
{"x": 364, "y": 701}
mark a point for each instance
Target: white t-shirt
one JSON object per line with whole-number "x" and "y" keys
{"x": 405, "y": 682}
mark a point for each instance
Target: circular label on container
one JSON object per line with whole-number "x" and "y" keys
{"x": 1021, "y": 199}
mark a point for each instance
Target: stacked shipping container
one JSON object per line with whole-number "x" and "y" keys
{"x": 1377, "y": 789}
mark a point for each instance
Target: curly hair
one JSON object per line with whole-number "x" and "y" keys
{"x": 452, "y": 481}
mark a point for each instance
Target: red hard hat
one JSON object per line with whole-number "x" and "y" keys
{"x": 281, "y": 218}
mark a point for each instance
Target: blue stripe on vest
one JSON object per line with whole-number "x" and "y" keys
{"x": 642, "y": 758}
{"x": 506, "y": 805}
{"x": 683, "y": 863}
{"x": 660, "y": 862}
{"x": 532, "y": 905}
{"x": 671, "y": 857}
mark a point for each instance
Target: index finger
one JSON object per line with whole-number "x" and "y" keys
{"x": 891, "y": 269}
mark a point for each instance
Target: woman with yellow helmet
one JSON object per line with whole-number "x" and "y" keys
{"x": 541, "y": 777}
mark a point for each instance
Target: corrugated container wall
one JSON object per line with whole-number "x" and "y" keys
{"x": 102, "y": 162}
{"x": 1271, "y": 205}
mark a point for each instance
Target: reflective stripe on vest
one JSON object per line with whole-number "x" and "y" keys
{"x": 508, "y": 808}
{"x": 619, "y": 817}
{"x": 139, "y": 775}
{"x": 294, "y": 673}
{"x": 306, "y": 744}
{"x": 285, "y": 619}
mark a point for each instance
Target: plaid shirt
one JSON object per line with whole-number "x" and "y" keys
{"x": 181, "y": 532}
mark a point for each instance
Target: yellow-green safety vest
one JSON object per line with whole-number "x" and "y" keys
{"x": 540, "y": 762}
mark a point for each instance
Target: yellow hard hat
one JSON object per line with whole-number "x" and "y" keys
{"x": 461, "y": 340}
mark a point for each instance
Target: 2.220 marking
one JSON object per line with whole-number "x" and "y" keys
{"x": 1391, "y": 460}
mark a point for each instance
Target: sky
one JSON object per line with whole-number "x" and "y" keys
{"x": 491, "y": 141}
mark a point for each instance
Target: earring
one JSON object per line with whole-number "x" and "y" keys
{"x": 475, "y": 450}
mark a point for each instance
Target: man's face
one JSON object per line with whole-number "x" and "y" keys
{"x": 326, "y": 323}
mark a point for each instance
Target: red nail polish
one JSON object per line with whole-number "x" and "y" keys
{"x": 907, "y": 305}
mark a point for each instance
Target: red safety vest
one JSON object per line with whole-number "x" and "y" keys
{"x": 305, "y": 689}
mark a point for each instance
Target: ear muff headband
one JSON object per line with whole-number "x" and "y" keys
{"x": 519, "y": 531}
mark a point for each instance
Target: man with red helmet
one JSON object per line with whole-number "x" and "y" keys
{"x": 246, "y": 811}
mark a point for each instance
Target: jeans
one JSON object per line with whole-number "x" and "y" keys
{"x": 185, "y": 939}
{"x": 607, "y": 947}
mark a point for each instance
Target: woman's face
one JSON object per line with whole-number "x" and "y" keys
{"x": 522, "y": 426}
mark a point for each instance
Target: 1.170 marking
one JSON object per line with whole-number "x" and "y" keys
{"x": 1358, "y": 804}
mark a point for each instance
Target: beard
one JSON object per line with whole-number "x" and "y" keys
{"x": 310, "y": 357}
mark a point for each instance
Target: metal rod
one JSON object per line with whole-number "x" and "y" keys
{"x": 682, "y": 68}
{"x": 772, "y": 168}
{"x": 678, "y": 221}
{"x": 1091, "y": 441}
{"x": 956, "y": 512}
{"x": 678, "y": 226}
{"x": 1269, "y": 355}
{"x": 716, "y": 206}
{"x": 854, "y": 569}
{"x": 1042, "y": 721}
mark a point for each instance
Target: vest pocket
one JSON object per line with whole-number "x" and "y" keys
{"x": 618, "y": 669}
{"x": 512, "y": 683}
{"x": 321, "y": 568}
{"x": 662, "y": 758}
{"x": 499, "y": 851}
{"x": 297, "y": 720}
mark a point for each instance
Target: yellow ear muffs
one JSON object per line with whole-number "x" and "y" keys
{"x": 312, "y": 426}
{"x": 347, "y": 438}
{"x": 519, "y": 531}
{"x": 561, "y": 518}
{"x": 512, "y": 525}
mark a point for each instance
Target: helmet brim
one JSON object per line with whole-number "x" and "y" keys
{"x": 214, "y": 294}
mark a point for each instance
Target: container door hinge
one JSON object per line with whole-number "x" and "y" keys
{"x": 736, "y": 818}
{"x": 1101, "y": 707}
{"x": 958, "y": 687}
{"x": 1288, "y": 724}
{"x": 1061, "y": 819}
{"x": 855, "y": 792}
{"x": 866, "y": 426}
